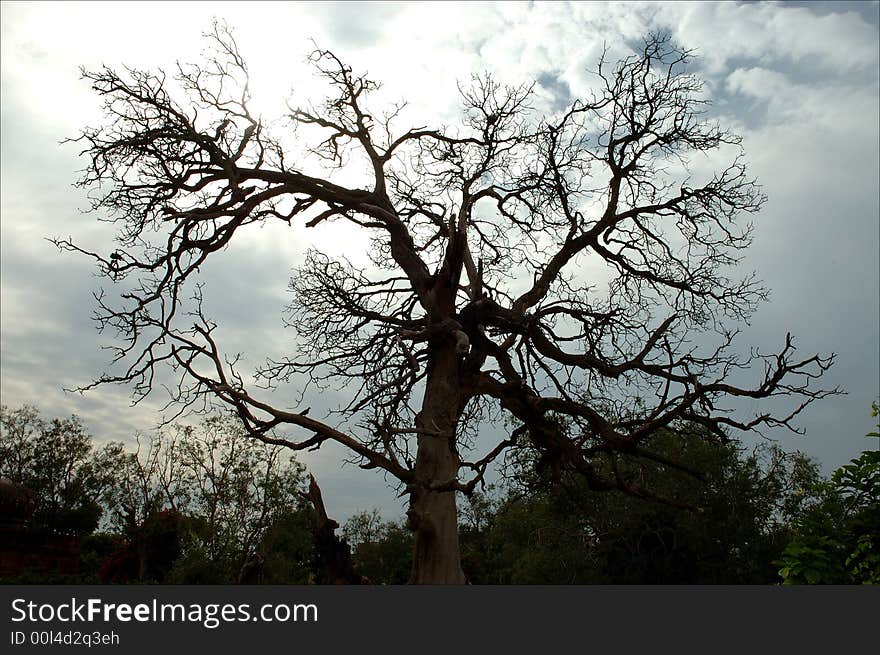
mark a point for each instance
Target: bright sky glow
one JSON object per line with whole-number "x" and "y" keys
{"x": 800, "y": 83}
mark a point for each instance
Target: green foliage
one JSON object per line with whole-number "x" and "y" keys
{"x": 94, "y": 551}
{"x": 228, "y": 490}
{"x": 381, "y": 551}
{"x": 149, "y": 554}
{"x": 565, "y": 533}
{"x": 206, "y": 504}
{"x": 57, "y": 462}
{"x": 837, "y": 540}
{"x": 288, "y": 548}
{"x": 192, "y": 504}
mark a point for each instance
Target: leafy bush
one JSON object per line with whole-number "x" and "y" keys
{"x": 838, "y": 539}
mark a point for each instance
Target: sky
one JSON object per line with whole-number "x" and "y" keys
{"x": 798, "y": 81}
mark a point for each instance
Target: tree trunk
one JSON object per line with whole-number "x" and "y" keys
{"x": 432, "y": 515}
{"x": 334, "y": 553}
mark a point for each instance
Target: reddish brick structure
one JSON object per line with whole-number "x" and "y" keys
{"x": 23, "y": 550}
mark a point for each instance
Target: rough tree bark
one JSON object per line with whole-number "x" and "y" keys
{"x": 474, "y": 310}
{"x": 432, "y": 514}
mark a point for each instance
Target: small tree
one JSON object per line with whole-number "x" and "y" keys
{"x": 57, "y": 462}
{"x": 381, "y": 550}
{"x": 209, "y": 482}
{"x": 743, "y": 513}
{"x": 237, "y": 490}
{"x": 484, "y": 298}
{"x": 838, "y": 538}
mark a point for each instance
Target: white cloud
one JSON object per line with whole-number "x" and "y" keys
{"x": 802, "y": 88}
{"x": 772, "y": 33}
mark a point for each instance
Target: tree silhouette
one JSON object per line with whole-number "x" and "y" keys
{"x": 565, "y": 272}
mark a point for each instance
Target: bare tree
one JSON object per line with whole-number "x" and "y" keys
{"x": 560, "y": 276}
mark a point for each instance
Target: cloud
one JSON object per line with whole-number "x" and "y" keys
{"x": 815, "y": 148}
{"x": 799, "y": 83}
{"x": 725, "y": 32}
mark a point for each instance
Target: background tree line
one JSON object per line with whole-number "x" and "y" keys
{"x": 189, "y": 505}
{"x": 207, "y": 504}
